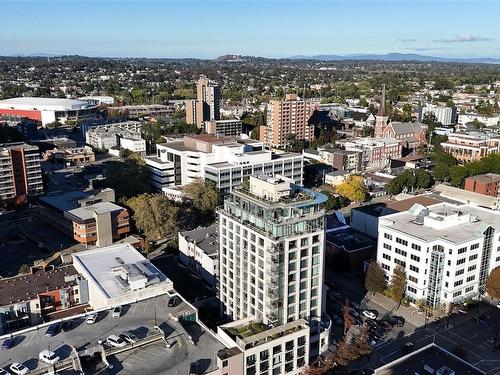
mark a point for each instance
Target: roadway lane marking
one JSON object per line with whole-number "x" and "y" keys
{"x": 151, "y": 353}
{"x": 31, "y": 338}
{"x": 474, "y": 336}
{"x": 463, "y": 339}
{"x": 135, "y": 307}
{"x": 146, "y": 305}
{"x": 456, "y": 343}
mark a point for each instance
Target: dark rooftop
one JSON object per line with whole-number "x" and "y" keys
{"x": 207, "y": 238}
{"x": 26, "y": 287}
{"x": 429, "y": 357}
{"x": 350, "y": 240}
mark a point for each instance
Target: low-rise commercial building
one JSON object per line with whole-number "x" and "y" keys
{"x": 70, "y": 156}
{"x": 492, "y": 120}
{"x": 116, "y": 136}
{"x": 225, "y": 161}
{"x": 340, "y": 159}
{"x": 145, "y": 110}
{"x": 20, "y": 171}
{"x": 198, "y": 249}
{"x": 471, "y": 146}
{"x": 447, "y": 251}
{"x": 118, "y": 275}
{"x": 47, "y": 110}
{"x": 99, "y": 223}
{"x": 487, "y": 184}
{"x": 91, "y": 219}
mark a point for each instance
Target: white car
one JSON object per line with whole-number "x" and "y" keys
{"x": 369, "y": 314}
{"x": 498, "y": 305}
{"x": 115, "y": 341}
{"x": 4, "y": 372}
{"x": 19, "y": 368}
{"x": 129, "y": 337}
{"x": 92, "y": 318}
{"x": 48, "y": 357}
{"x": 117, "y": 312}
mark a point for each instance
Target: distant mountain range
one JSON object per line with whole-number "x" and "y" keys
{"x": 397, "y": 57}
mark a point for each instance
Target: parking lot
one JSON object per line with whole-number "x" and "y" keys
{"x": 138, "y": 318}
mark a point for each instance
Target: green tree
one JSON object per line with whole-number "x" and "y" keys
{"x": 255, "y": 133}
{"x": 477, "y": 124}
{"x": 441, "y": 172}
{"x": 2, "y": 205}
{"x": 423, "y": 179}
{"x": 375, "y": 278}
{"x": 363, "y": 102}
{"x": 203, "y": 194}
{"x": 458, "y": 174}
{"x": 128, "y": 178}
{"x": 397, "y": 285}
{"x": 493, "y": 283}
{"x": 354, "y": 189}
{"x": 154, "y": 215}
{"x": 10, "y": 134}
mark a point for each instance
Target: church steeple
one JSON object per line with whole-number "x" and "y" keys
{"x": 381, "y": 118}
{"x": 381, "y": 109}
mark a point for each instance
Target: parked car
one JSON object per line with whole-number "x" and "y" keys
{"x": 115, "y": 341}
{"x": 48, "y": 357}
{"x": 67, "y": 325}
{"x": 194, "y": 368}
{"x": 129, "y": 337}
{"x": 3, "y": 371}
{"x": 369, "y": 314}
{"x": 53, "y": 330}
{"x": 498, "y": 305}
{"x": 397, "y": 320}
{"x": 385, "y": 323}
{"x": 19, "y": 368}
{"x": 8, "y": 343}
{"x": 92, "y": 318}
{"x": 173, "y": 301}
{"x": 407, "y": 348}
{"x": 117, "y": 312}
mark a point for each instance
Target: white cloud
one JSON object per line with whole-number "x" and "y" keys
{"x": 464, "y": 38}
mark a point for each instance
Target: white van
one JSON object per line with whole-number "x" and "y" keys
{"x": 48, "y": 357}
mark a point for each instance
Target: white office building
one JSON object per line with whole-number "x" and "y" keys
{"x": 222, "y": 160}
{"x": 445, "y": 115}
{"x": 271, "y": 256}
{"x": 447, "y": 250}
{"x": 125, "y": 135}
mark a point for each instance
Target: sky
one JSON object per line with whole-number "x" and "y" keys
{"x": 207, "y": 29}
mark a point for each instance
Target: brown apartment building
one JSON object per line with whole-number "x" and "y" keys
{"x": 284, "y": 117}
{"x": 99, "y": 224}
{"x": 20, "y": 171}
{"x": 206, "y": 107}
{"x": 487, "y": 184}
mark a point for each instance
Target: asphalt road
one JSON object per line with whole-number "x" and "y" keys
{"x": 140, "y": 319}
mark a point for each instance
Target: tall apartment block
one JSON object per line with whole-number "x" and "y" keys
{"x": 20, "y": 171}
{"x": 271, "y": 261}
{"x": 206, "y": 107}
{"x": 284, "y": 117}
{"x": 446, "y": 250}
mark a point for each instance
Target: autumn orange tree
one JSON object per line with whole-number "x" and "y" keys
{"x": 493, "y": 283}
{"x": 354, "y": 189}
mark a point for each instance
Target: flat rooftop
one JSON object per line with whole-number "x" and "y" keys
{"x": 64, "y": 202}
{"x": 452, "y": 223}
{"x": 390, "y": 207}
{"x": 36, "y": 103}
{"x": 27, "y": 286}
{"x": 486, "y": 178}
{"x": 86, "y": 213}
{"x": 433, "y": 356}
{"x": 350, "y": 240}
{"x": 100, "y": 264}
